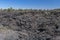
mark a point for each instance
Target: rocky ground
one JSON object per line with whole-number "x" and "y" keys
{"x": 30, "y": 25}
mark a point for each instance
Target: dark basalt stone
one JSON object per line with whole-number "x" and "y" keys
{"x": 34, "y": 25}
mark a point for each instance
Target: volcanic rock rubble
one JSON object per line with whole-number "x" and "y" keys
{"x": 29, "y": 26}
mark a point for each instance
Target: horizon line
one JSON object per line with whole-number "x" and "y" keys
{"x": 32, "y": 8}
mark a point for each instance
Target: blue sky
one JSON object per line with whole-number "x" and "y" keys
{"x": 35, "y": 4}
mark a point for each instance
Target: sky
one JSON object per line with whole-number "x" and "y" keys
{"x": 30, "y": 4}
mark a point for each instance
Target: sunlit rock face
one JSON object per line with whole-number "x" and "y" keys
{"x": 7, "y": 34}
{"x": 42, "y": 25}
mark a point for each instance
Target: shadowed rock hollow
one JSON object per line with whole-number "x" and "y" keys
{"x": 33, "y": 25}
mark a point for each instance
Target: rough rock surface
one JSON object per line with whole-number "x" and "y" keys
{"x": 30, "y": 26}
